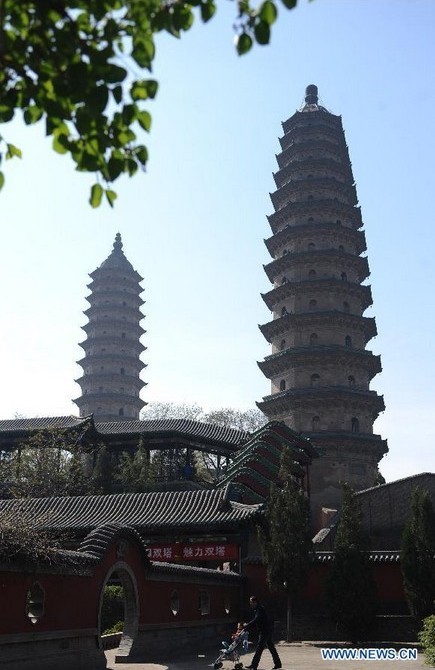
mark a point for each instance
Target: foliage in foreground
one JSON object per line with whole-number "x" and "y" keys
{"x": 427, "y": 640}
{"x": 417, "y": 556}
{"x": 77, "y": 66}
{"x": 285, "y": 537}
{"x": 112, "y": 610}
{"x": 20, "y": 542}
{"x": 350, "y": 588}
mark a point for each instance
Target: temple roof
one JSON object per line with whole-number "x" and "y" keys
{"x": 144, "y": 512}
{"x": 188, "y": 428}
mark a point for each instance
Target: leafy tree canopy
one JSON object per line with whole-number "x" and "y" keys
{"x": 249, "y": 420}
{"x": 350, "y": 588}
{"x": 417, "y": 555}
{"x": 285, "y": 537}
{"x": 78, "y": 65}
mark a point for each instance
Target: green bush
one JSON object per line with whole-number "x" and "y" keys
{"x": 427, "y": 640}
{"x": 112, "y": 611}
{"x": 118, "y": 627}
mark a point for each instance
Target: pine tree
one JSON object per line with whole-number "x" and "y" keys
{"x": 285, "y": 537}
{"x": 350, "y": 588}
{"x": 135, "y": 472}
{"x": 417, "y": 556}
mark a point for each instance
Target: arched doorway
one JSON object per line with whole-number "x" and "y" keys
{"x": 127, "y": 580}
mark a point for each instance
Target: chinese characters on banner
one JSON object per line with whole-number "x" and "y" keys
{"x": 193, "y": 552}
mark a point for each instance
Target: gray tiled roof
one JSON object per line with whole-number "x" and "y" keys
{"x": 196, "y": 429}
{"x": 141, "y": 511}
{"x": 208, "y": 431}
{"x": 40, "y": 423}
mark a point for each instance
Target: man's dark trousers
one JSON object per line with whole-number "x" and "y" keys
{"x": 265, "y": 640}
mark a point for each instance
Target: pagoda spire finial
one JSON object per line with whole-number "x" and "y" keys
{"x": 117, "y": 245}
{"x": 311, "y": 95}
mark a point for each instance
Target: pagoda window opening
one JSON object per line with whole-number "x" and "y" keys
{"x": 285, "y": 252}
{"x": 284, "y": 311}
{"x": 282, "y": 385}
{"x": 346, "y": 307}
{"x": 121, "y": 411}
{"x": 338, "y": 220}
{"x": 282, "y": 345}
{"x": 315, "y": 423}
{"x": 310, "y": 197}
{"x": 313, "y": 304}
{"x": 314, "y": 338}
{"x": 122, "y": 371}
{"x": 341, "y": 247}
{"x": 348, "y": 341}
{"x": 312, "y": 274}
{"x": 351, "y": 380}
{"x": 354, "y": 423}
{"x": 123, "y": 336}
{"x": 315, "y": 379}
{"x": 311, "y": 246}
{"x": 343, "y": 276}
{"x": 310, "y": 219}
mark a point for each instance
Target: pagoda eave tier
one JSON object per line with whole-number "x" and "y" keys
{"x": 325, "y": 165}
{"x": 128, "y": 400}
{"x": 337, "y": 211}
{"x": 346, "y": 439}
{"x": 326, "y": 355}
{"x": 334, "y": 318}
{"x": 122, "y": 326}
{"x": 318, "y": 287}
{"x": 315, "y": 117}
{"x": 103, "y": 273}
{"x": 329, "y": 185}
{"x": 114, "y": 359}
{"x": 130, "y": 381}
{"x": 347, "y": 261}
{"x": 329, "y": 396}
{"x": 335, "y": 231}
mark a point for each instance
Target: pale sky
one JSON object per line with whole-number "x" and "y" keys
{"x": 194, "y": 224}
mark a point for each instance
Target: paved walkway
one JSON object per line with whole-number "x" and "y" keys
{"x": 294, "y": 656}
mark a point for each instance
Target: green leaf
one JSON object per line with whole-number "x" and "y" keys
{"x": 12, "y": 151}
{"x": 98, "y": 98}
{"x": 2, "y": 180}
{"x": 117, "y": 94}
{"x": 142, "y": 154}
{"x": 262, "y": 32}
{"x": 208, "y": 9}
{"x": 60, "y": 143}
{"x": 243, "y": 44}
{"x": 268, "y": 12}
{"x": 152, "y": 87}
{"x": 290, "y": 4}
{"x": 32, "y": 114}
{"x": 111, "y": 197}
{"x": 115, "y": 167}
{"x": 139, "y": 90}
{"x": 144, "y": 119}
{"x": 96, "y": 195}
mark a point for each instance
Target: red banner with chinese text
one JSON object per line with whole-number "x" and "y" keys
{"x": 193, "y": 552}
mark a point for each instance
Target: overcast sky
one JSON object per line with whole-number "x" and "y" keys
{"x": 194, "y": 224}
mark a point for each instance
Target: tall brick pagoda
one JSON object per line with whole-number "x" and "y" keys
{"x": 320, "y": 369}
{"x": 111, "y": 381}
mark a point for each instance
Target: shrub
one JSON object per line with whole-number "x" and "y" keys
{"x": 427, "y": 639}
{"x": 112, "y": 610}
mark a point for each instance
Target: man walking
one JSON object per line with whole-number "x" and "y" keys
{"x": 264, "y": 627}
